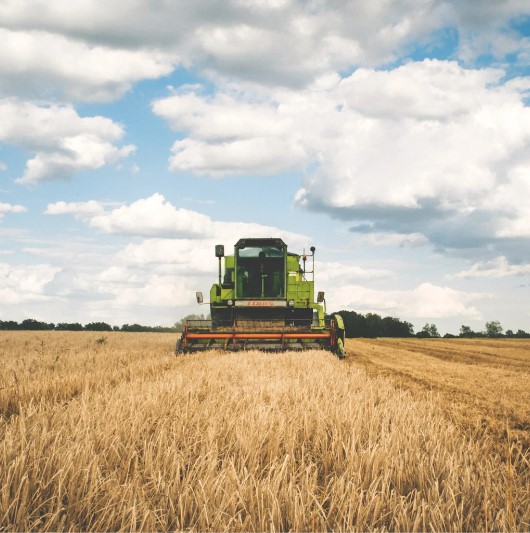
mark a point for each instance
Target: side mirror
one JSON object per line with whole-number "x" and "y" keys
{"x": 219, "y": 250}
{"x": 199, "y": 297}
{"x": 320, "y": 297}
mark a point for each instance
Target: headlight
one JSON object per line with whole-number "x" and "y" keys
{"x": 291, "y": 303}
{"x": 230, "y": 302}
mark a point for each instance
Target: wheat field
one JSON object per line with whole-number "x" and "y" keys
{"x": 108, "y": 432}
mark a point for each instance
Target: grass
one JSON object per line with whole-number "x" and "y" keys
{"x": 122, "y": 435}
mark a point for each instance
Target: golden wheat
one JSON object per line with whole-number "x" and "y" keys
{"x": 112, "y": 432}
{"x": 482, "y": 383}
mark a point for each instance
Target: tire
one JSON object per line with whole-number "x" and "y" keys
{"x": 341, "y": 352}
{"x": 178, "y": 347}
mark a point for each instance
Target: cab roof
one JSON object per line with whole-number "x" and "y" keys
{"x": 254, "y": 242}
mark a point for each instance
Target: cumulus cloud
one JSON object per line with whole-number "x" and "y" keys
{"x": 399, "y": 149}
{"x": 289, "y": 43}
{"x": 227, "y": 136}
{"x": 71, "y": 69}
{"x": 79, "y": 209}
{"x": 20, "y": 284}
{"x": 63, "y": 142}
{"x": 489, "y": 30}
{"x": 156, "y": 217}
{"x": 424, "y": 131}
{"x": 152, "y": 216}
{"x": 10, "y": 208}
{"x": 495, "y": 268}
{"x": 239, "y": 157}
{"x": 157, "y": 290}
{"x": 425, "y": 301}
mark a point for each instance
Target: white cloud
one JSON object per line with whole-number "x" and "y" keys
{"x": 271, "y": 43}
{"x": 156, "y": 217}
{"x": 72, "y": 69}
{"x": 10, "y": 208}
{"x": 425, "y": 301}
{"x": 212, "y": 118}
{"x": 388, "y": 146}
{"x": 260, "y": 156}
{"x": 496, "y": 268}
{"x": 98, "y": 50}
{"x": 427, "y": 90}
{"x": 429, "y": 300}
{"x": 230, "y": 137}
{"x": 487, "y": 30}
{"x": 3, "y": 166}
{"x": 429, "y": 130}
{"x": 63, "y": 142}
{"x": 160, "y": 291}
{"x": 79, "y": 209}
{"x": 152, "y": 216}
{"x": 20, "y": 284}
{"x": 185, "y": 255}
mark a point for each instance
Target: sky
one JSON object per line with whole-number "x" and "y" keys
{"x": 392, "y": 135}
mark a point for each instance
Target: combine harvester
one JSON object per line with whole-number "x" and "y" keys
{"x": 263, "y": 300}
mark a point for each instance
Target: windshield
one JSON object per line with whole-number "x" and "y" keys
{"x": 260, "y": 272}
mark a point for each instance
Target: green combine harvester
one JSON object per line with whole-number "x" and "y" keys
{"x": 264, "y": 300}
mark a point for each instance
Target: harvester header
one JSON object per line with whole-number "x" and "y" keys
{"x": 264, "y": 299}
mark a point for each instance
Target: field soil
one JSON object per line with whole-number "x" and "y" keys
{"x": 111, "y": 431}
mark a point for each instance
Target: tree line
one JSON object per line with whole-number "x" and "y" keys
{"x": 36, "y": 325}
{"x": 373, "y": 325}
{"x": 355, "y": 324}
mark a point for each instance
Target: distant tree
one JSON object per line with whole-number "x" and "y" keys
{"x": 134, "y": 327}
{"x": 32, "y": 324}
{"x": 98, "y": 326}
{"x": 64, "y": 326}
{"x": 466, "y": 331}
{"x": 9, "y": 325}
{"x": 393, "y": 327}
{"x": 493, "y": 329}
{"x": 449, "y": 336}
{"x": 153, "y": 329}
{"x": 521, "y": 334}
{"x": 509, "y": 333}
{"x": 429, "y": 330}
{"x": 372, "y": 325}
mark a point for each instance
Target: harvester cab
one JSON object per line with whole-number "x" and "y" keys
{"x": 264, "y": 299}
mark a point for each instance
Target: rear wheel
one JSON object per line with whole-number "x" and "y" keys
{"x": 178, "y": 347}
{"x": 341, "y": 352}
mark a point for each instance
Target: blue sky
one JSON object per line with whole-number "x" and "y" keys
{"x": 393, "y": 135}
